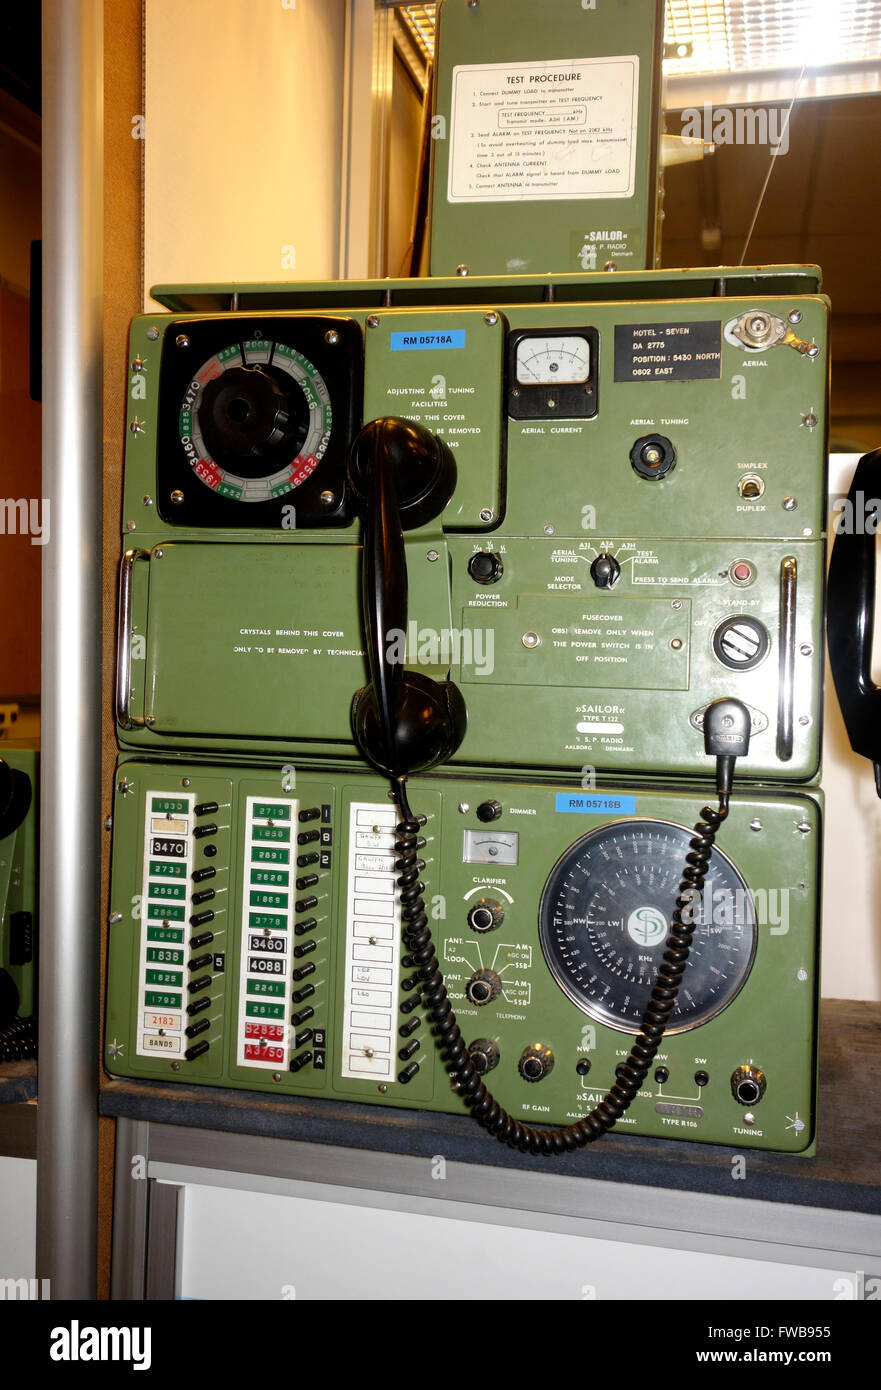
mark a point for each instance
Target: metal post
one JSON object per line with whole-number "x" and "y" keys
{"x": 70, "y": 849}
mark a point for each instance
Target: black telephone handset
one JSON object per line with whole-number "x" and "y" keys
{"x": 401, "y": 473}
{"x": 850, "y": 614}
{"x": 402, "y": 476}
{"x": 15, "y": 802}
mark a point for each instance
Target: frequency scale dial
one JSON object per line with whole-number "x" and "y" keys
{"x": 605, "y": 915}
{"x": 256, "y": 416}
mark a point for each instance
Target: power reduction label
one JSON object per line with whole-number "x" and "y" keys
{"x": 668, "y": 351}
{"x": 535, "y": 131}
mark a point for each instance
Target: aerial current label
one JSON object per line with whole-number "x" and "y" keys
{"x": 535, "y": 131}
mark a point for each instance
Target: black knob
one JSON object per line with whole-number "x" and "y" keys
{"x": 536, "y": 1062}
{"x": 653, "y": 456}
{"x": 199, "y": 919}
{"x": 301, "y": 1017}
{"x": 489, "y": 811}
{"x": 407, "y": 1051}
{"x": 582, "y": 1066}
{"x": 741, "y": 642}
{"x": 304, "y": 860}
{"x": 313, "y": 813}
{"x": 300, "y": 1062}
{"x": 483, "y": 987}
{"x": 210, "y": 851}
{"x": 304, "y": 1036}
{"x": 410, "y": 1004}
{"x": 304, "y": 971}
{"x": 306, "y": 949}
{"x": 410, "y": 983}
{"x": 196, "y": 1051}
{"x": 308, "y": 837}
{"x": 409, "y": 1027}
{"x": 484, "y": 1055}
{"x": 198, "y": 1006}
{"x": 195, "y": 985}
{"x": 486, "y": 915}
{"x": 195, "y": 1029}
{"x": 605, "y": 571}
{"x": 748, "y": 1085}
{"x": 200, "y": 875}
{"x": 309, "y": 924}
{"x": 206, "y": 808}
{"x": 307, "y": 881}
{"x": 203, "y": 939}
{"x": 408, "y": 1073}
{"x": 199, "y": 962}
{"x": 202, "y": 830}
{"x": 305, "y": 993}
{"x": 304, "y": 904}
{"x": 486, "y": 567}
{"x": 204, "y": 897}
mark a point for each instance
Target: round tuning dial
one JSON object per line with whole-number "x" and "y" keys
{"x": 748, "y": 1085}
{"x": 485, "y": 567}
{"x": 605, "y": 571}
{"x": 536, "y": 1062}
{"x": 484, "y": 1055}
{"x": 484, "y": 987}
{"x": 486, "y": 915}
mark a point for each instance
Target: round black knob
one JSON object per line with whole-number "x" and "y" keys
{"x": 748, "y": 1085}
{"x": 486, "y": 915}
{"x": 653, "y": 456}
{"x": 484, "y": 1055}
{"x": 741, "y": 642}
{"x": 536, "y": 1062}
{"x": 489, "y": 811}
{"x": 605, "y": 571}
{"x": 483, "y": 987}
{"x": 486, "y": 567}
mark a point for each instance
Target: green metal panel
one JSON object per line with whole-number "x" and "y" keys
{"x": 18, "y": 886}
{"x": 771, "y": 837}
{"x": 522, "y": 88}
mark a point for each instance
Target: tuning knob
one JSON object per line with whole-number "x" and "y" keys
{"x": 486, "y": 915}
{"x": 605, "y": 571}
{"x": 484, "y": 1055}
{"x": 483, "y": 987}
{"x": 748, "y": 1085}
{"x": 536, "y": 1062}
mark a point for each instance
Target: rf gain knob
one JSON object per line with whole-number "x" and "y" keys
{"x": 486, "y": 915}
{"x": 484, "y": 987}
{"x": 484, "y": 1055}
{"x": 536, "y": 1062}
{"x": 605, "y": 571}
{"x": 748, "y": 1085}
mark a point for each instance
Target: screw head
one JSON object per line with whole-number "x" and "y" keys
{"x": 432, "y": 555}
{"x": 806, "y": 649}
{"x": 124, "y": 786}
{"x": 801, "y": 974}
{"x": 383, "y": 1089}
{"x": 158, "y": 553}
{"x": 327, "y": 499}
{"x": 676, "y": 603}
{"x": 809, "y": 421}
{"x": 373, "y": 320}
{"x": 813, "y": 350}
{"x": 755, "y": 824}
{"x": 276, "y": 1076}
{"x": 137, "y": 426}
{"x": 491, "y": 319}
{"x": 148, "y": 500}
{"x": 548, "y": 529}
{"x": 610, "y": 265}
{"x": 115, "y": 917}
{"x": 486, "y": 514}
{"x": 805, "y": 720}
{"x": 804, "y": 827}
{"x": 795, "y": 316}
{"x": 137, "y": 364}
{"x": 182, "y": 341}
{"x": 331, "y": 337}
{"x": 531, "y": 639}
{"x": 676, "y": 644}
{"x": 108, "y": 822}
{"x": 131, "y": 526}
{"x": 152, "y": 334}
{"x": 789, "y": 504}
{"x": 185, "y": 781}
{"x": 462, "y": 270}
{"x": 175, "y": 1066}
{"x": 177, "y": 497}
{"x": 464, "y": 808}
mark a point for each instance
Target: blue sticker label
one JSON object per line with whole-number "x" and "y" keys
{"x": 587, "y": 805}
{"x": 425, "y": 342}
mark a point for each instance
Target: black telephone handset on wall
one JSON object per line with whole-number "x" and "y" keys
{"x": 401, "y": 474}
{"x": 850, "y": 614}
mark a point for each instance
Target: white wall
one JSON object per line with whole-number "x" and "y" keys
{"x": 242, "y": 155}
{"x": 18, "y": 1217}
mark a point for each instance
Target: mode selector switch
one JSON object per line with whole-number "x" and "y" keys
{"x": 605, "y": 571}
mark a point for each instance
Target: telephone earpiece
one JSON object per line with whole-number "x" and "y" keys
{"x": 15, "y": 798}
{"x": 402, "y": 476}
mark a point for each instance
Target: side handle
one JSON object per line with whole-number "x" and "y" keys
{"x": 850, "y": 613}
{"x": 124, "y": 717}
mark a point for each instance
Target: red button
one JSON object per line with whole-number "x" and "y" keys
{"x": 743, "y": 572}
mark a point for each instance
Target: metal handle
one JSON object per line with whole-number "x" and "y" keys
{"x": 786, "y": 688}
{"x": 124, "y": 640}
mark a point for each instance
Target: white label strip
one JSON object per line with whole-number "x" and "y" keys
{"x": 268, "y": 890}
{"x": 373, "y": 944}
{"x": 529, "y": 132}
{"x": 164, "y": 908}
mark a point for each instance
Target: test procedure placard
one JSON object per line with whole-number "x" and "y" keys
{"x": 534, "y": 131}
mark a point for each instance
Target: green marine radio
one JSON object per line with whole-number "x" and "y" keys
{"x": 448, "y": 613}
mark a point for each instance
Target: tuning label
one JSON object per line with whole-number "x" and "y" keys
{"x": 266, "y": 949}
{"x": 168, "y": 861}
{"x": 373, "y": 951}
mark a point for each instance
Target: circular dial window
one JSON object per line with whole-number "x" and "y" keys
{"x": 255, "y": 421}
{"x": 605, "y": 917}
{"x": 552, "y": 361}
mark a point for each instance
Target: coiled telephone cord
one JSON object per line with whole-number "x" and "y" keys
{"x": 630, "y": 1075}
